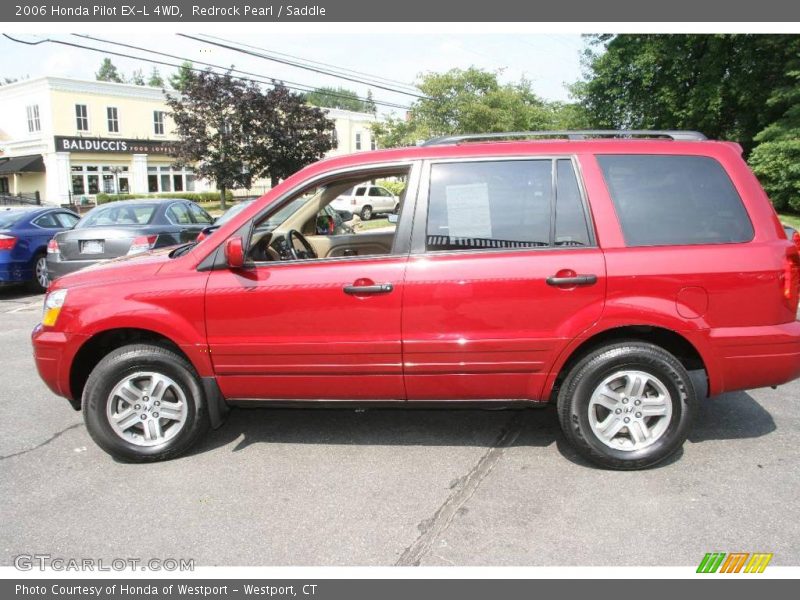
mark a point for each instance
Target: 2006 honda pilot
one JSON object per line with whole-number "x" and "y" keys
{"x": 589, "y": 269}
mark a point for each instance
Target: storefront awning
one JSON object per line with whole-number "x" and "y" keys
{"x": 22, "y": 164}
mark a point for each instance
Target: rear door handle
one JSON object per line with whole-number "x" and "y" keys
{"x": 357, "y": 290}
{"x": 572, "y": 281}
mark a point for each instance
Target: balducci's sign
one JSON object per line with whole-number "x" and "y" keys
{"x": 81, "y": 144}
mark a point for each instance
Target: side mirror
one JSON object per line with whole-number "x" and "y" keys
{"x": 393, "y": 218}
{"x": 345, "y": 215}
{"x": 234, "y": 253}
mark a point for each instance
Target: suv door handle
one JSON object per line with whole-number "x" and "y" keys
{"x": 572, "y": 281}
{"x": 357, "y": 290}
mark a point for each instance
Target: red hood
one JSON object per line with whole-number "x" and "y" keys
{"x": 124, "y": 268}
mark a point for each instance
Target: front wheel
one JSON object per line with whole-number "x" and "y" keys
{"x": 366, "y": 213}
{"x": 144, "y": 403}
{"x": 627, "y": 406}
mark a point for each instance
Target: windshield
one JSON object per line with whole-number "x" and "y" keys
{"x": 118, "y": 214}
{"x": 232, "y": 212}
{"x": 11, "y": 218}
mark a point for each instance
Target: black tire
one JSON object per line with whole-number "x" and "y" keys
{"x": 366, "y": 213}
{"x": 123, "y": 362}
{"x": 34, "y": 285}
{"x": 582, "y": 380}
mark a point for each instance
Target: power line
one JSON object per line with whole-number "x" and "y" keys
{"x": 232, "y": 69}
{"x": 301, "y": 66}
{"x": 320, "y": 63}
{"x": 270, "y": 81}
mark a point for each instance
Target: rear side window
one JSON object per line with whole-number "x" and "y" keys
{"x": 505, "y": 204}
{"x": 48, "y": 221}
{"x": 675, "y": 200}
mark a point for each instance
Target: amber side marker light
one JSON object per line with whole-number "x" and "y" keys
{"x": 52, "y": 307}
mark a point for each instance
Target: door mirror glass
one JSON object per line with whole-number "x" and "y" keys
{"x": 393, "y": 218}
{"x": 234, "y": 253}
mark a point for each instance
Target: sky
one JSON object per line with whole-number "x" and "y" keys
{"x": 549, "y": 61}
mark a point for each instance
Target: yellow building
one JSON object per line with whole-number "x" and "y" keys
{"x": 66, "y": 140}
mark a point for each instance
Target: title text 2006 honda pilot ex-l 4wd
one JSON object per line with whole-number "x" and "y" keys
{"x": 593, "y": 270}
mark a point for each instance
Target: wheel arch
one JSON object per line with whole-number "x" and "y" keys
{"x": 670, "y": 340}
{"x": 102, "y": 342}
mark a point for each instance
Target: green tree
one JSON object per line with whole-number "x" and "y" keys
{"x": 137, "y": 77}
{"x": 155, "y": 79}
{"x": 330, "y": 97}
{"x": 108, "y": 72}
{"x": 472, "y": 101}
{"x": 232, "y": 132}
{"x": 719, "y": 84}
{"x": 184, "y": 76}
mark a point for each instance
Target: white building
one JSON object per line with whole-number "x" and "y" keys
{"x": 66, "y": 139}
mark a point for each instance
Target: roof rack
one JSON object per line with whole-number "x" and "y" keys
{"x": 694, "y": 136}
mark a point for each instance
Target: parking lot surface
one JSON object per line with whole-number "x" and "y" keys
{"x": 388, "y": 486}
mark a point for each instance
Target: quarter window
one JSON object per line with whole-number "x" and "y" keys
{"x": 113, "y": 119}
{"x": 34, "y": 124}
{"x": 665, "y": 200}
{"x": 81, "y": 117}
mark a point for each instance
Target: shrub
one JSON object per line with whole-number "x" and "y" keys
{"x": 777, "y": 166}
{"x": 193, "y": 196}
{"x": 396, "y": 187}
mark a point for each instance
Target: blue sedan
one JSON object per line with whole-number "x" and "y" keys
{"x": 24, "y": 234}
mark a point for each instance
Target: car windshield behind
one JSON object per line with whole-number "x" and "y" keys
{"x": 118, "y": 214}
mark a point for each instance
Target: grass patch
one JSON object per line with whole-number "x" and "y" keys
{"x": 372, "y": 224}
{"x": 792, "y": 220}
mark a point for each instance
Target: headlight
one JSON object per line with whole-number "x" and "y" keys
{"x": 52, "y": 307}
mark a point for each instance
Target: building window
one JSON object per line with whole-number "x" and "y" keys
{"x": 4, "y": 189}
{"x": 373, "y": 143}
{"x": 113, "y": 119}
{"x": 158, "y": 122}
{"x": 168, "y": 179}
{"x": 94, "y": 179}
{"x": 81, "y": 117}
{"x": 358, "y": 141}
{"x": 34, "y": 124}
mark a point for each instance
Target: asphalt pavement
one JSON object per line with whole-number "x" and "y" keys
{"x": 390, "y": 486}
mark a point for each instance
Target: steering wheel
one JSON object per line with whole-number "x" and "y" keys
{"x": 309, "y": 251}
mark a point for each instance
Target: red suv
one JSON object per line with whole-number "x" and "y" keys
{"x": 593, "y": 270}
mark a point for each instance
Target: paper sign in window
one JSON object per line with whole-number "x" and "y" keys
{"x": 468, "y": 214}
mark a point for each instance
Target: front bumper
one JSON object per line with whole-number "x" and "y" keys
{"x": 54, "y": 352}
{"x": 753, "y": 357}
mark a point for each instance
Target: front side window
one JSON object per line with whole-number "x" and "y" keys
{"x": 158, "y": 122}
{"x": 666, "y": 200}
{"x": 81, "y": 117}
{"x": 113, "y": 119}
{"x": 199, "y": 215}
{"x": 34, "y": 124}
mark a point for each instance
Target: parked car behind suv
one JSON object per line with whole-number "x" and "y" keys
{"x": 24, "y": 235}
{"x": 366, "y": 200}
{"x": 592, "y": 270}
{"x": 123, "y": 228}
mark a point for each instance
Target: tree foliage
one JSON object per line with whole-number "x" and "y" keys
{"x": 155, "y": 79}
{"x": 719, "y": 84}
{"x": 232, "y": 132}
{"x": 137, "y": 77}
{"x": 183, "y": 77}
{"x": 109, "y": 72}
{"x": 473, "y": 101}
{"x": 339, "y": 97}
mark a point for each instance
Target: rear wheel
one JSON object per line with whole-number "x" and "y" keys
{"x": 627, "y": 406}
{"x": 366, "y": 213}
{"x": 41, "y": 279}
{"x": 144, "y": 403}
